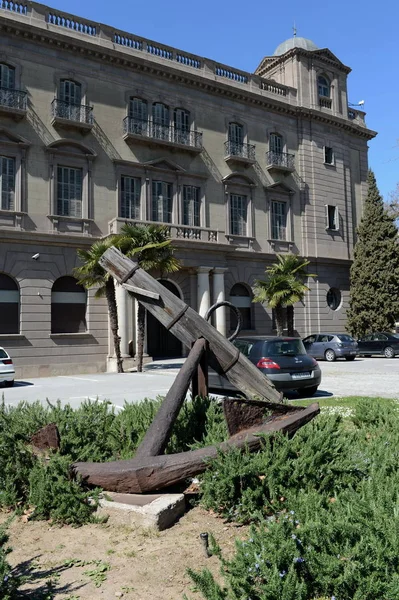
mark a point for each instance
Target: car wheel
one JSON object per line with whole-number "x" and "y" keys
{"x": 329, "y": 355}
{"x": 305, "y": 392}
{"x": 9, "y": 383}
{"x": 350, "y": 357}
{"x": 389, "y": 352}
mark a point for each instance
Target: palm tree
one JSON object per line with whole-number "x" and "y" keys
{"x": 283, "y": 287}
{"x": 152, "y": 247}
{"x": 91, "y": 274}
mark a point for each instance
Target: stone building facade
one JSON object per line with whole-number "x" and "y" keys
{"x": 99, "y": 127}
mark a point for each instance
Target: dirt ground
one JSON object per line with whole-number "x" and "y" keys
{"x": 143, "y": 564}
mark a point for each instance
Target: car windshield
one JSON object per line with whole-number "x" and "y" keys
{"x": 345, "y": 338}
{"x": 3, "y": 354}
{"x": 285, "y": 348}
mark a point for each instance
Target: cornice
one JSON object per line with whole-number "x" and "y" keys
{"x": 140, "y": 64}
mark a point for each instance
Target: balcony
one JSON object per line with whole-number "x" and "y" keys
{"x": 280, "y": 162}
{"x": 139, "y": 130}
{"x": 13, "y": 102}
{"x": 176, "y": 232}
{"x": 239, "y": 153}
{"x": 325, "y": 102}
{"x": 66, "y": 114}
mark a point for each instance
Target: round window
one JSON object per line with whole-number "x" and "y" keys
{"x": 334, "y": 298}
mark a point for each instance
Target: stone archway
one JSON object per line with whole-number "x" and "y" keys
{"x": 160, "y": 342}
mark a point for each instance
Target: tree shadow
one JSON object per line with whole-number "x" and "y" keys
{"x": 40, "y": 583}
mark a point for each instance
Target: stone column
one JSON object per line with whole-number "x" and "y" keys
{"x": 203, "y": 295}
{"x": 219, "y": 296}
{"x": 123, "y": 318}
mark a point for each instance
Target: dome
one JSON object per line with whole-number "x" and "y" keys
{"x": 295, "y": 42}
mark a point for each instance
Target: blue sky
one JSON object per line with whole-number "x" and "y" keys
{"x": 363, "y": 35}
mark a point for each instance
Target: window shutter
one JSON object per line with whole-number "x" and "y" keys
{"x": 181, "y": 119}
{"x": 276, "y": 143}
{"x": 7, "y": 77}
{"x": 138, "y": 109}
{"x": 236, "y": 133}
{"x": 160, "y": 114}
{"x": 7, "y": 182}
{"x": 70, "y": 92}
{"x": 327, "y": 216}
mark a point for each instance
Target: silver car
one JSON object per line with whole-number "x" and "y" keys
{"x": 7, "y": 371}
{"x": 331, "y": 346}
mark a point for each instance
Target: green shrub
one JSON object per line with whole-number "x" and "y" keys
{"x": 55, "y": 495}
{"x": 244, "y": 486}
{"x": 326, "y": 528}
{"x": 92, "y": 432}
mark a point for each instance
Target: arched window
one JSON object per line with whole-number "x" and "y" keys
{"x": 323, "y": 85}
{"x": 276, "y": 143}
{"x": 242, "y": 299}
{"x": 235, "y": 139}
{"x": 138, "y": 116}
{"x": 160, "y": 121}
{"x": 9, "y": 305}
{"x": 68, "y": 306}
{"x": 181, "y": 124}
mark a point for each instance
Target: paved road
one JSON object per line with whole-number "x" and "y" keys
{"x": 364, "y": 376}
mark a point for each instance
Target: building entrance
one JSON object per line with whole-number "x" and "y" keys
{"x": 160, "y": 342}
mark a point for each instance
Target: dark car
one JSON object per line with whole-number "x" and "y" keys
{"x": 331, "y": 346}
{"x": 282, "y": 359}
{"x": 384, "y": 343}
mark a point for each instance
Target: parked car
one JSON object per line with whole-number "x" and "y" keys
{"x": 7, "y": 371}
{"x": 331, "y": 346}
{"x": 282, "y": 359}
{"x": 384, "y": 343}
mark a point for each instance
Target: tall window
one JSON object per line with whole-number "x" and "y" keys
{"x": 69, "y": 192}
{"x": 236, "y": 138}
{"x": 68, "y": 306}
{"x": 7, "y": 77}
{"x": 70, "y": 92}
{"x": 9, "y": 305}
{"x": 181, "y": 122}
{"x": 7, "y": 183}
{"x": 70, "y": 104}
{"x": 161, "y": 205}
{"x": 130, "y": 197}
{"x": 323, "y": 86}
{"x": 328, "y": 155}
{"x": 238, "y": 214}
{"x": 191, "y": 205}
{"x": 332, "y": 219}
{"x": 160, "y": 121}
{"x": 241, "y": 298}
{"x": 138, "y": 113}
{"x": 279, "y": 220}
{"x": 276, "y": 143}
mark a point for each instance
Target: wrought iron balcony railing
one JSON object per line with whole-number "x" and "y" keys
{"x": 13, "y": 99}
{"x": 165, "y": 133}
{"x": 239, "y": 149}
{"x": 77, "y": 113}
{"x": 280, "y": 160}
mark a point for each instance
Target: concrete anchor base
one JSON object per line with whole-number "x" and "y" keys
{"x": 157, "y": 511}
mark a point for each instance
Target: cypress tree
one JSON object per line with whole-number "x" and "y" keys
{"x": 374, "y": 274}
